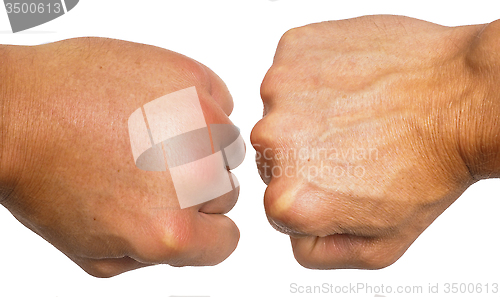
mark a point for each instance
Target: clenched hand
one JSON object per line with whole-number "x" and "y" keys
{"x": 372, "y": 127}
{"x": 67, "y": 170}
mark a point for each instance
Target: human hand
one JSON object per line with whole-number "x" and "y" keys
{"x": 369, "y": 133}
{"x": 67, "y": 167}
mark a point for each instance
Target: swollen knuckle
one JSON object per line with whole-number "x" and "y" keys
{"x": 165, "y": 244}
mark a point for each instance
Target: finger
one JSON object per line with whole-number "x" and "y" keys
{"x": 348, "y": 251}
{"x": 185, "y": 238}
{"x": 104, "y": 268}
{"x": 213, "y": 238}
{"x": 296, "y": 206}
{"x": 224, "y": 203}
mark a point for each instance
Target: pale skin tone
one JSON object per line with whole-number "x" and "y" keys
{"x": 417, "y": 103}
{"x": 67, "y": 170}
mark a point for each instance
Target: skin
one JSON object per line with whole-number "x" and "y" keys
{"x": 66, "y": 166}
{"x": 394, "y": 118}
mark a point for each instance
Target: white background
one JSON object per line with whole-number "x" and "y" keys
{"x": 237, "y": 39}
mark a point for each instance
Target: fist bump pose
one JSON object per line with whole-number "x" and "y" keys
{"x": 372, "y": 127}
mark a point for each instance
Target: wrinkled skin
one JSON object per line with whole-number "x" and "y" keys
{"x": 372, "y": 127}
{"x": 67, "y": 167}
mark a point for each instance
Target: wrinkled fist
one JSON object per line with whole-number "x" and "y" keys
{"x": 365, "y": 135}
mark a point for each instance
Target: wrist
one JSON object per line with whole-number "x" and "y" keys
{"x": 8, "y": 172}
{"x": 481, "y": 140}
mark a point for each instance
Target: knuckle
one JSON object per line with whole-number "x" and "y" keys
{"x": 293, "y": 40}
{"x": 260, "y": 134}
{"x": 166, "y": 243}
{"x": 292, "y": 36}
{"x": 302, "y": 210}
{"x": 188, "y": 72}
{"x": 267, "y": 132}
{"x": 200, "y": 74}
{"x": 264, "y": 139}
{"x": 277, "y": 205}
{"x": 285, "y": 211}
{"x": 273, "y": 82}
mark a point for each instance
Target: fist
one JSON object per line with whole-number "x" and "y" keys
{"x": 363, "y": 142}
{"x": 68, "y": 170}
